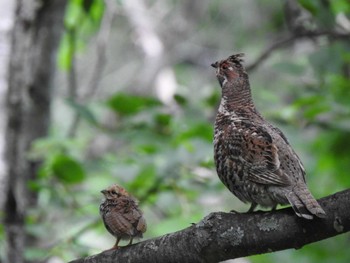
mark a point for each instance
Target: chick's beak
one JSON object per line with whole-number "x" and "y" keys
{"x": 104, "y": 192}
{"x": 214, "y": 65}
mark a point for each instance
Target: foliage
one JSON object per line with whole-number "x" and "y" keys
{"x": 162, "y": 151}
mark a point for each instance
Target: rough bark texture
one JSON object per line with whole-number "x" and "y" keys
{"x": 34, "y": 41}
{"x": 221, "y": 236}
{"x": 6, "y": 23}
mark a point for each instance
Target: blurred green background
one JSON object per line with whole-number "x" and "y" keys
{"x": 135, "y": 101}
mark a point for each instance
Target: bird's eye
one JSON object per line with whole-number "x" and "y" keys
{"x": 224, "y": 67}
{"x": 114, "y": 192}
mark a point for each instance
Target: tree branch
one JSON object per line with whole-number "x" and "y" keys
{"x": 291, "y": 39}
{"x": 101, "y": 48}
{"x": 221, "y": 236}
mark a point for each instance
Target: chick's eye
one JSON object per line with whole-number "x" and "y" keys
{"x": 114, "y": 192}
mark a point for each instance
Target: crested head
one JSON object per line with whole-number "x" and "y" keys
{"x": 229, "y": 70}
{"x": 114, "y": 191}
{"x": 234, "y": 82}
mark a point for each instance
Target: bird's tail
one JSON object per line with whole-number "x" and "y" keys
{"x": 304, "y": 204}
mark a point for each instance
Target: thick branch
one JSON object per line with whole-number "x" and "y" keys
{"x": 221, "y": 236}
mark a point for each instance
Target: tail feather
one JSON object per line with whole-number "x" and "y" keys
{"x": 304, "y": 204}
{"x": 298, "y": 207}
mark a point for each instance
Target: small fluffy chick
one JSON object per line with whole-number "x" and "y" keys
{"x": 121, "y": 215}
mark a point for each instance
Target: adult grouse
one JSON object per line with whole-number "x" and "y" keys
{"x": 253, "y": 158}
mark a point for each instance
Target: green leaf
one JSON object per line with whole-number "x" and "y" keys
{"x": 87, "y": 5}
{"x": 213, "y": 99}
{"x": 312, "y": 112}
{"x": 163, "y": 123}
{"x": 65, "y": 53}
{"x": 311, "y": 6}
{"x": 181, "y": 100}
{"x": 340, "y": 6}
{"x": 150, "y": 148}
{"x": 163, "y": 119}
{"x": 309, "y": 100}
{"x": 97, "y": 10}
{"x": 143, "y": 181}
{"x": 339, "y": 87}
{"x": 312, "y": 106}
{"x": 67, "y": 169}
{"x": 83, "y": 111}
{"x": 35, "y": 254}
{"x": 126, "y": 104}
{"x": 73, "y": 14}
{"x": 199, "y": 130}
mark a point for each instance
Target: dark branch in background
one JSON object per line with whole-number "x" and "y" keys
{"x": 221, "y": 236}
{"x": 101, "y": 48}
{"x": 301, "y": 25}
{"x": 204, "y": 58}
{"x": 290, "y": 40}
{"x": 72, "y": 74}
{"x": 265, "y": 54}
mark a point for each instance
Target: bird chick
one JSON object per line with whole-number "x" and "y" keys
{"x": 121, "y": 215}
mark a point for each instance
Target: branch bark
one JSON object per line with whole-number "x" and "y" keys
{"x": 221, "y": 236}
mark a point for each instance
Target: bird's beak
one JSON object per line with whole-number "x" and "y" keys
{"x": 104, "y": 192}
{"x": 214, "y": 65}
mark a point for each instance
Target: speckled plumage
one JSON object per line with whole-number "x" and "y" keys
{"x": 253, "y": 158}
{"x": 121, "y": 214}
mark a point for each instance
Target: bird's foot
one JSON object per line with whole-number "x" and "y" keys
{"x": 252, "y": 207}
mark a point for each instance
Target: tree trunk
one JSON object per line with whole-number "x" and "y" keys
{"x": 6, "y": 24}
{"x": 221, "y": 236}
{"x": 35, "y": 36}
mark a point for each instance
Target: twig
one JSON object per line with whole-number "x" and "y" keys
{"x": 101, "y": 47}
{"x": 265, "y": 54}
{"x": 289, "y": 40}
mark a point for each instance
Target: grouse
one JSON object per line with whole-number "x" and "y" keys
{"x": 253, "y": 158}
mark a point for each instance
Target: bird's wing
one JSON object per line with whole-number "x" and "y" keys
{"x": 141, "y": 225}
{"x": 134, "y": 216}
{"x": 116, "y": 222}
{"x": 258, "y": 154}
{"x": 299, "y": 163}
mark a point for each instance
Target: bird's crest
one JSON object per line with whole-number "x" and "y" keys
{"x": 236, "y": 58}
